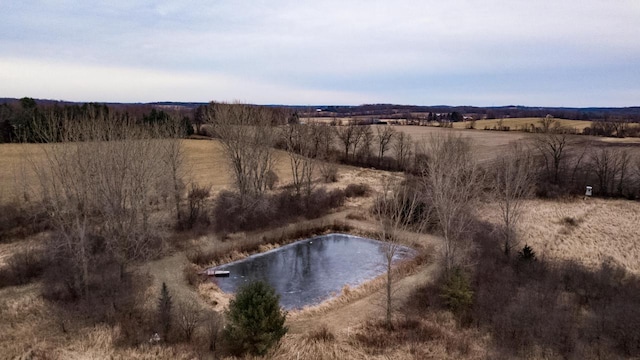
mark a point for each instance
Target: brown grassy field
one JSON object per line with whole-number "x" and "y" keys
{"x": 519, "y": 124}
{"x": 205, "y": 165}
{"x": 590, "y": 231}
{"x": 515, "y": 124}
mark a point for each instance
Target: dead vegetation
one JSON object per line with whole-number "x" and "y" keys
{"x": 576, "y": 300}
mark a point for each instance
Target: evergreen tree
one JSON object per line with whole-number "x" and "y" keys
{"x": 164, "y": 311}
{"x": 255, "y": 319}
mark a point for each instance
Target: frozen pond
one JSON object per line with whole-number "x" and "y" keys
{"x": 310, "y": 271}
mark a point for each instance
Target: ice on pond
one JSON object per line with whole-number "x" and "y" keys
{"x": 310, "y": 271}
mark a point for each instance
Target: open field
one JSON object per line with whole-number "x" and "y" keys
{"x": 204, "y": 164}
{"x": 514, "y": 124}
{"x": 605, "y": 229}
{"x": 590, "y": 231}
{"x": 519, "y": 124}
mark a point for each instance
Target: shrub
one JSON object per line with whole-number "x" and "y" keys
{"x": 456, "y": 292}
{"x": 272, "y": 210}
{"x": 197, "y": 213}
{"x": 527, "y": 254}
{"x": 22, "y": 267}
{"x": 255, "y": 321}
{"x": 192, "y": 275}
{"x": 189, "y": 318}
{"x": 271, "y": 179}
{"x": 329, "y": 171}
{"x": 321, "y": 334}
{"x": 357, "y": 190}
{"x": 570, "y": 221}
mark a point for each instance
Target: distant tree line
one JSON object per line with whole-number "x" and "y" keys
{"x": 25, "y": 119}
{"x": 391, "y": 110}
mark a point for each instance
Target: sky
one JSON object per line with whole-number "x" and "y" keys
{"x": 575, "y": 53}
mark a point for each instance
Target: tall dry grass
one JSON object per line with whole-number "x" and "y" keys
{"x": 589, "y": 231}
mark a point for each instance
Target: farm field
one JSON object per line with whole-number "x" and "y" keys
{"x": 516, "y": 124}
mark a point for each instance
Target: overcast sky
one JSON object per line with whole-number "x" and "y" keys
{"x": 453, "y": 52}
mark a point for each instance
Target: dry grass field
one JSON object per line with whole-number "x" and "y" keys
{"x": 519, "y": 124}
{"x": 590, "y": 231}
{"x": 204, "y": 163}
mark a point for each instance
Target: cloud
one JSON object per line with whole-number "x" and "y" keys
{"x": 345, "y": 50}
{"x": 77, "y": 82}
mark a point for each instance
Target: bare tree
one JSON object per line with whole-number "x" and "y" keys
{"x": 321, "y": 138}
{"x": 300, "y": 152}
{"x": 348, "y": 135}
{"x": 450, "y": 181}
{"x": 97, "y": 177}
{"x": 551, "y": 147}
{"x": 547, "y": 123}
{"x": 402, "y": 149}
{"x": 611, "y": 167}
{"x": 512, "y": 184}
{"x": 385, "y": 135}
{"x": 363, "y": 150}
{"x": 247, "y": 135}
{"x": 188, "y": 318}
{"x": 396, "y": 208}
{"x": 172, "y": 134}
{"x": 213, "y": 323}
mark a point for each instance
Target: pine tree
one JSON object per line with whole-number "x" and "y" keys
{"x": 255, "y": 319}
{"x": 164, "y": 310}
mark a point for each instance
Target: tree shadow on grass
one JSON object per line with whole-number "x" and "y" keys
{"x": 555, "y": 308}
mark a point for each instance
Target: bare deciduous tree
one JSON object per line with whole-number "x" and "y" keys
{"x": 512, "y": 184}
{"x": 402, "y": 149}
{"x": 363, "y": 150}
{"x": 321, "y": 138}
{"x": 348, "y": 136}
{"x": 97, "y": 178}
{"x": 552, "y": 149}
{"x": 611, "y": 167}
{"x": 300, "y": 152}
{"x": 188, "y": 318}
{"x": 213, "y": 323}
{"x": 385, "y": 135}
{"x": 172, "y": 156}
{"x": 450, "y": 181}
{"x": 395, "y": 208}
{"x": 247, "y": 135}
{"x": 547, "y": 123}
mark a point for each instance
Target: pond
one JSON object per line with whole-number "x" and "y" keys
{"x": 311, "y": 271}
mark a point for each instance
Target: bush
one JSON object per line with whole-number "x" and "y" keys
{"x": 271, "y": 179}
{"x": 192, "y": 275}
{"x": 196, "y": 212}
{"x": 20, "y": 221}
{"x": 322, "y": 334}
{"x": 357, "y": 190}
{"x": 231, "y": 215}
{"x": 329, "y": 171}
{"x": 456, "y": 292}
{"x": 255, "y": 321}
{"x": 22, "y": 267}
{"x": 527, "y": 254}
